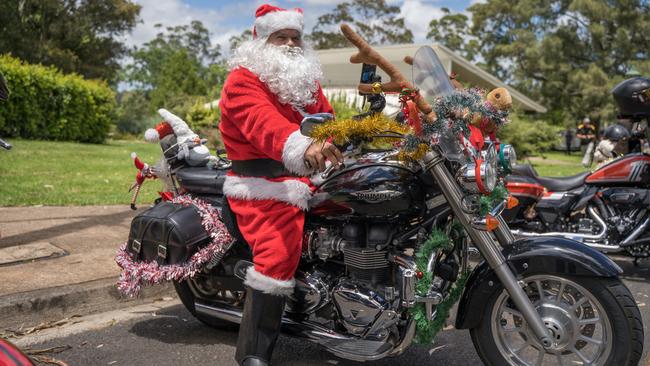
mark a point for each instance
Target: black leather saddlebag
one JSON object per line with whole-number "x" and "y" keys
{"x": 166, "y": 233}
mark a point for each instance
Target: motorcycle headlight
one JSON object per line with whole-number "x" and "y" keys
{"x": 480, "y": 178}
{"x": 507, "y": 157}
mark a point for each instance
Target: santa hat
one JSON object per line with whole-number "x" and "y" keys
{"x": 171, "y": 124}
{"x": 270, "y": 19}
{"x": 161, "y": 130}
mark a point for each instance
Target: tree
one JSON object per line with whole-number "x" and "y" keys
{"x": 452, "y": 31}
{"x": 178, "y": 63}
{"x": 82, "y": 36}
{"x": 235, "y": 41}
{"x": 568, "y": 53}
{"x": 376, "y": 21}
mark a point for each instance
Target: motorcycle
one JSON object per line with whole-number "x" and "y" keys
{"x": 358, "y": 283}
{"x": 607, "y": 209}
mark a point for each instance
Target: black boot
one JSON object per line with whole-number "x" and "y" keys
{"x": 259, "y": 328}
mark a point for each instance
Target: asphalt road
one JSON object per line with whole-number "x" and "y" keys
{"x": 172, "y": 337}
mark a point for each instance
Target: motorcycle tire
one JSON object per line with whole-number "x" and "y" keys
{"x": 187, "y": 298}
{"x": 618, "y": 317}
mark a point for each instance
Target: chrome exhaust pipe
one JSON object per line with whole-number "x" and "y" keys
{"x": 629, "y": 240}
{"x": 318, "y": 334}
{"x": 583, "y": 238}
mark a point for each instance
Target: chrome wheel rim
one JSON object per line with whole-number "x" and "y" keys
{"x": 204, "y": 290}
{"x": 580, "y": 328}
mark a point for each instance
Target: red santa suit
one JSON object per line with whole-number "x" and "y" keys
{"x": 269, "y": 211}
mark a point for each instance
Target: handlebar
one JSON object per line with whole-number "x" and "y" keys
{"x": 5, "y": 145}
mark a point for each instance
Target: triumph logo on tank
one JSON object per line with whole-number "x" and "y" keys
{"x": 376, "y": 196}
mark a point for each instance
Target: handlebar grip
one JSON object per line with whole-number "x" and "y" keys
{"x": 5, "y": 145}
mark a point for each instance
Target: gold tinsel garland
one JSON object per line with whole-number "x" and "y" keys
{"x": 349, "y": 130}
{"x": 364, "y": 131}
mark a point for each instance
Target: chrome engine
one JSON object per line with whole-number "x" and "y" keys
{"x": 357, "y": 292}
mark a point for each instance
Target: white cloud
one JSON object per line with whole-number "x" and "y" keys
{"x": 417, "y": 16}
{"x": 175, "y": 12}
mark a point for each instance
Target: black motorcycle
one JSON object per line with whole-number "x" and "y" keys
{"x": 534, "y": 301}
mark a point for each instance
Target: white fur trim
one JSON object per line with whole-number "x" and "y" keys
{"x": 181, "y": 129}
{"x": 293, "y": 192}
{"x": 293, "y": 153}
{"x": 151, "y": 135}
{"x": 268, "y": 285}
{"x": 277, "y": 20}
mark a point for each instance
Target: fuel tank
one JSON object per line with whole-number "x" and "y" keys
{"x": 629, "y": 170}
{"x": 376, "y": 184}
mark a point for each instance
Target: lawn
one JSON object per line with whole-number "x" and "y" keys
{"x": 557, "y": 164}
{"x": 66, "y": 173}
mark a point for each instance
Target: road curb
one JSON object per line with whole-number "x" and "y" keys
{"x": 27, "y": 309}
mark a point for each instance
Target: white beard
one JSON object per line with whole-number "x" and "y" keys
{"x": 291, "y": 73}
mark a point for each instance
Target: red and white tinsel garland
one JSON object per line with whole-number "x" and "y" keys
{"x": 136, "y": 274}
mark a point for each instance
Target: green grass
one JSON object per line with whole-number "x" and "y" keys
{"x": 66, "y": 173}
{"x": 557, "y": 164}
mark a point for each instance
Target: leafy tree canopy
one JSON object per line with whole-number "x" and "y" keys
{"x": 178, "y": 63}
{"x": 82, "y": 36}
{"x": 566, "y": 53}
{"x": 452, "y": 31}
{"x": 376, "y": 21}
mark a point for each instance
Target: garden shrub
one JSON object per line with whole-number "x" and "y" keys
{"x": 529, "y": 136}
{"x": 49, "y": 105}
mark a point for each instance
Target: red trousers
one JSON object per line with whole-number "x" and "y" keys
{"x": 274, "y": 231}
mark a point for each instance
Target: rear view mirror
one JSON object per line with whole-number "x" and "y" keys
{"x": 312, "y": 120}
{"x": 4, "y": 89}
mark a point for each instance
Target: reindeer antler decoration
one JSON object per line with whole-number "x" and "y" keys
{"x": 368, "y": 55}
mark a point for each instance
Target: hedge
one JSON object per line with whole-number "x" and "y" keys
{"x": 46, "y": 104}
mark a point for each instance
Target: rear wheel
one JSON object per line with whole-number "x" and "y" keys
{"x": 592, "y": 321}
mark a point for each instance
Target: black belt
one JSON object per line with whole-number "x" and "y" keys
{"x": 267, "y": 168}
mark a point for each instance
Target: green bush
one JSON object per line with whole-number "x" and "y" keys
{"x": 134, "y": 114}
{"x": 46, "y": 104}
{"x": 528, "y": 136}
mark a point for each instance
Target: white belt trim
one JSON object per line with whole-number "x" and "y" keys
{"x": 291, "y": 191}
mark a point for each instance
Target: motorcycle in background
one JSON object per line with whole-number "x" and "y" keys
{"x": 359, "y": 282}
{"x": 607, "y": 209}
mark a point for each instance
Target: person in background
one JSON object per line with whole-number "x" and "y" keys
{"x": 613, "y": 144}
{"x": 568, "y": 138}
{"x": 587, "y": 135}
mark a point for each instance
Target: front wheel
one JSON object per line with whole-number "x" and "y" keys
{"x": 592, "y": 321}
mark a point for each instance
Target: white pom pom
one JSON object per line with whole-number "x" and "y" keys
{"x": 151, "y": 135}
{"x": 134, "y": 155}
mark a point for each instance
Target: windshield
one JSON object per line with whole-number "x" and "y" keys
{"x": 430, "y": 77}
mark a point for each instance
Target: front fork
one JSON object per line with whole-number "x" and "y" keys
{"x": 487, "y": 246}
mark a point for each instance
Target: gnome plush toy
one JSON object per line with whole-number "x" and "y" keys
{"x": 190, "y": 146}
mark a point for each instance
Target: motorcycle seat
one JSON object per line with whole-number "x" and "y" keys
{"x": 525, "y": 170}
{"x": 562, "y": 184}
{"x": 202, "y": 180}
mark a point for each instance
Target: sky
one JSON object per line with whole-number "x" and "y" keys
{"x": 225, "y": 19}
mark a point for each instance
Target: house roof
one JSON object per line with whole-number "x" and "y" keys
{"x": 340, "y": 73}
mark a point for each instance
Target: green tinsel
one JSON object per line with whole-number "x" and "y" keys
{"x": 447, "y": 109}
{"x": 426, "y": 330}
{"x": 487, "y": 202}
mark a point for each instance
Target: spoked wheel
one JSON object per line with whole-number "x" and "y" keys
{"x": 591, "y": 322}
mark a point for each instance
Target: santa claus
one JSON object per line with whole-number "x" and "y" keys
{"x": 273, "y": 84}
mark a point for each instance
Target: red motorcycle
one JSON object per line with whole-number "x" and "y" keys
{"x": 608, "y": 209}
